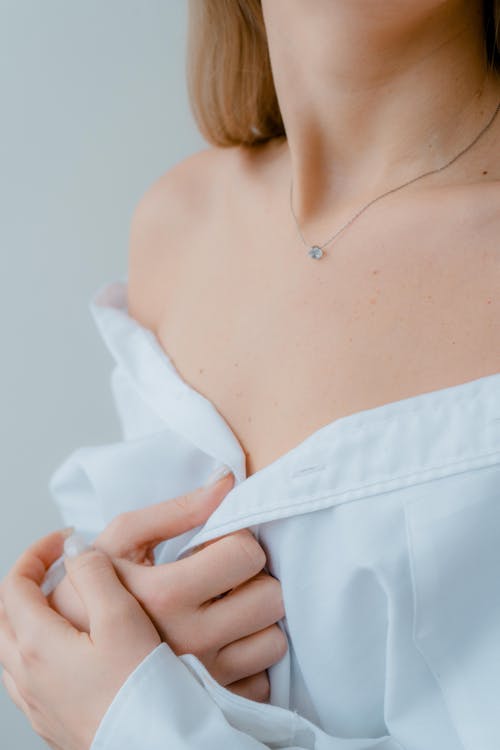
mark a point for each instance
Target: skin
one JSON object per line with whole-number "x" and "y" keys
{"x": 372, "y": 94}
{"x": 40, "y": 648}
{"x": 405, "y": 300}
{"x": 42, "y": 652}
{"x": 235, "y": 637}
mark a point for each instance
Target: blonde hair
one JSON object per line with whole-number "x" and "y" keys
{"x": 229, "y": 77}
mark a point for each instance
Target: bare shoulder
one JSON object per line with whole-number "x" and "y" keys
{"x": 163, "y": 222}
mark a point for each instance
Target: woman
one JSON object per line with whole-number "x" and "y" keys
{"x": 361, "y": 379}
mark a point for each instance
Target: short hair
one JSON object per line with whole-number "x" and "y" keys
{"x": 229, "y": 78}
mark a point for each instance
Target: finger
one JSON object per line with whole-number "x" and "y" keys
{"x": 13, "y": 692}
{"x": 223, "y": 565}
{"x": 250, "y": 655}
{"x": 26, "y": 608}
{"x": 35, "y": 562}
{"x": 104, "y": 597}
{"x": 246, "y": 610}
{"x": 66, "y": 602}
{"x": 255, "y": 688}
{"x": 151, "y": 525}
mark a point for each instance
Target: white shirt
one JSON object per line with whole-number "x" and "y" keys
{"x": 383, "y": 528}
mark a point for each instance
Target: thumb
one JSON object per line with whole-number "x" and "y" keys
{"x": 94, "y": 578}
{"x": 143, "y": 529}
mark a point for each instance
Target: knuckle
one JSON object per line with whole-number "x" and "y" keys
{"x": 261, "y": 688}
{"x": 279, "y": 643}
{"x": 167, "y": 596}
{"x": 91, "y": 561}
{"x": 196, "y": 637}
{"x": 184, "y": 505}
{"x": 255, "y": 688}
{"x": 189, "y": 646}
{"x": 188, "y": 640}
{"x": 112, "y": 619}
{"x": 27, "y": 643}
{"x": 117, "y": 530}
{"x": 248, "y": 546}
{"x": 275, "y": 597}
{"x": 224, "y": 673}
{"x": 205, "y": 641}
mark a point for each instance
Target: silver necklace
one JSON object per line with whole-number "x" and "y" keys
{"x": 316, "y": 251}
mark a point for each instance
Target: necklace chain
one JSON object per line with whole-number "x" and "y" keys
{"x": 316, "y": 251}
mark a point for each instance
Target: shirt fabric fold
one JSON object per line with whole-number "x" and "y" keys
{"x": 383, "y": 528}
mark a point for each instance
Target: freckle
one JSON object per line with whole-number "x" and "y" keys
{"x": 453, "y": 342}
{"x": 376, "y": 271}
{"x": 236, "y": 364}
{"x": 485, "y": 171}
{"x": 202, "y": 369}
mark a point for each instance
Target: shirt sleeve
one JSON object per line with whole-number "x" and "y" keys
{"x": 173, "y": 702}
{"x": 96, "y": 482}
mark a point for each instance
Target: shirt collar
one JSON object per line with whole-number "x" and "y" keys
{"x": 360, "y": 455}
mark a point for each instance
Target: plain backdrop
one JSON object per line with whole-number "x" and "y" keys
{"x": 93, "y": 109}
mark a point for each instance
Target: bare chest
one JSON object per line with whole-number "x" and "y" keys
{"x": 283, "y": 344}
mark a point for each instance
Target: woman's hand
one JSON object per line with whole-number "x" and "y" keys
{"x": 235, "y": 637}
{"x": 134, "y": 535}
{"x": 62, "y": 679}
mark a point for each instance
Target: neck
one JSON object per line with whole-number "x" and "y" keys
{"x": 374, "y": 92}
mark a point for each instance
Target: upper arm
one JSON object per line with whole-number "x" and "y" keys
{"x": 159, "y": 228}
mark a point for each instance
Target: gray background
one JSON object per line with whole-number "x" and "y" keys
{"x": 94, "y": 109}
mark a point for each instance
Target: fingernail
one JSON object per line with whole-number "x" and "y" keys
{"x": 65, "y": 533}
{"x": 75, "y": 545}
{"x": 215, "y": 476}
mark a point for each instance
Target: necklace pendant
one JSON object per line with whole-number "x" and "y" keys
{"x": 315, "y": 252}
